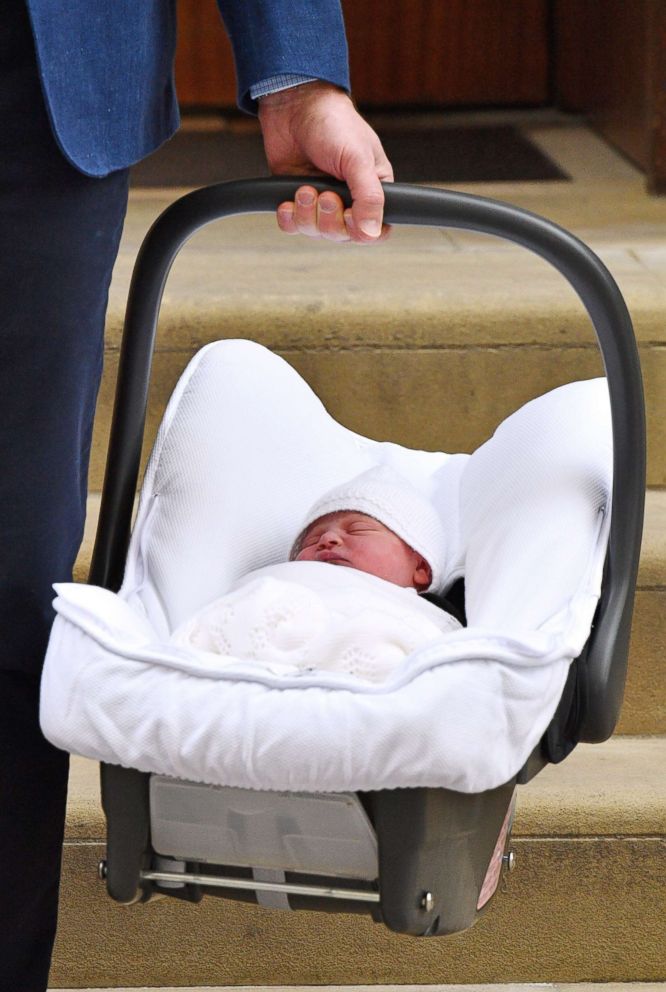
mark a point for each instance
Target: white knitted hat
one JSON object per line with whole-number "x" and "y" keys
{"x": 382, "y": 493}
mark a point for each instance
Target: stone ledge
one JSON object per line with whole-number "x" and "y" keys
{"x": 615, "y": 789}
{"x": 388, "y": 296}
{"x": 539, "y": 987}
{"x": 589, "y": 909}
{"x": 501, "y": 290}
{"x": 438, "y": 399}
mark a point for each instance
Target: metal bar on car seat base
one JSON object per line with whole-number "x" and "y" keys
{"x": 358, "y": 895}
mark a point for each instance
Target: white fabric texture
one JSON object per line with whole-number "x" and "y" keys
{"x": 382, "y": 493}
{"x": 244, "y": 449}
{"x": 306, "y": 616}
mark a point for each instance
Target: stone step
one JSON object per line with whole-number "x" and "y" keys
{"x": 644, "y": 709}
{"x": 541, "y": 987}
{"x": 429, "y": 339}
{"x": 587, "y": 902}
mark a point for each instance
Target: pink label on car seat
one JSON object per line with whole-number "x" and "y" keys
{"x": 491, "y": 881}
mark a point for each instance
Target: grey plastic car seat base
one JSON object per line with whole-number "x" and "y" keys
{"x": 431, "y": 842}
{"x": 315, "y": 833}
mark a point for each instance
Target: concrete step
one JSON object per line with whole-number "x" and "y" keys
{"x": 644, "y": 709}
{"x": 587, "y": 902}
{"x": 578, "y": 987}
{"x": 429, "y": 339}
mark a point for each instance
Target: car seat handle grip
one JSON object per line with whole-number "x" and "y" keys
{"x": 406, "y": 204}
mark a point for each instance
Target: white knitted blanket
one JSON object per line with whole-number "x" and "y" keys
{"x": 308, "y": 616}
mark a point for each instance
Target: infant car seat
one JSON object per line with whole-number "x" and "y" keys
{"x": 422, "y": 860}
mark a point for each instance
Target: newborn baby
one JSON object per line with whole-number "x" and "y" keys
{"x": 356, "y": 540}
{"x": 348, "y": 598}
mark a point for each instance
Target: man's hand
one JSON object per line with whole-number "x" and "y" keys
{"x": 315, "y": 128}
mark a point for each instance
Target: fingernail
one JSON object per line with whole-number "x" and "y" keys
{"x": 370, "y": 227}
{"x": 327, "y": 206}
{"x": 305, "y": 199}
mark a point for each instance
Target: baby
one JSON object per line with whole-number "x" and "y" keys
{"x": 356, "y": 540}
{"x": 361, "y": 618}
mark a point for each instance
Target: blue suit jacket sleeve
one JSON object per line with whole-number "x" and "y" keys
{"x": 106, "y": 66}
{"x": 270, "y": 37}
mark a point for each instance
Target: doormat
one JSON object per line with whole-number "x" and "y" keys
{"x": 419, "y": 155}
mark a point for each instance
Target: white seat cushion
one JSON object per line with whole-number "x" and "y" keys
{"x": 244, "y": 449}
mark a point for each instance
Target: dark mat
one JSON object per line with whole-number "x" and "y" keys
{"x": 418, "y": 155}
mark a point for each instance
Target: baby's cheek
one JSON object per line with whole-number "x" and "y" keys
{"x": 379, "y": 558}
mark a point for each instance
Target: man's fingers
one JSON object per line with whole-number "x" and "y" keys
{"x": 334, "y": 224}
{"x": 367, "y": 200}
{"x": 313, "y": 214}
{"x": 330, "y": 220}
{"x": 285, "y": 219}
{"x": 368, "y": 211}
{"x": 323, "y": 215}
{"x": 360, "y": 238}
{"x": 305, "y": 211}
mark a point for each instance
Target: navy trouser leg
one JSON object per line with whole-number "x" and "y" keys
{"x": 33, "y": 786}
{"x": 59, "y": 233}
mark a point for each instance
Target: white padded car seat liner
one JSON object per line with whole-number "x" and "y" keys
{"x": 244, "y": 449}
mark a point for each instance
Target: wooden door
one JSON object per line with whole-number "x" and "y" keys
{"x": 438, "y": 53}
{"x": 611, "y": 66}
{"x": 423, "y": 53}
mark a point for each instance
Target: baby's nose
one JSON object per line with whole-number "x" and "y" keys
{"x": 328, "y": 538}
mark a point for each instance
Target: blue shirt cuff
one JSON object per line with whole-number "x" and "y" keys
{"x": 274, "y": 84}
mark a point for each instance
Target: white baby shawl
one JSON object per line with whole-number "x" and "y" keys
{"x": 307, "y": 616}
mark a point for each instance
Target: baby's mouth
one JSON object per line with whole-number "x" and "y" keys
{"x": 331, "y": 558}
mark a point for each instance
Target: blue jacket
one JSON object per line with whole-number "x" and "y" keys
{"x": 107, "y": 66}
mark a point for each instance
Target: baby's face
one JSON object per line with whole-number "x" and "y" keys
{"x": 358, "y": 541}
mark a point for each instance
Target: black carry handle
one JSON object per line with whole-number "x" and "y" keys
{"x": 606, "y": 662}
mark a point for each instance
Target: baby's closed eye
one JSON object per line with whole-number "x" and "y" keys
{"x": 363, "y": 527}
{"x": 310, "y": 539}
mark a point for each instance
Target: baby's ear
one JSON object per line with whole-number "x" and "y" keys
{"x": 422, "y": 574}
